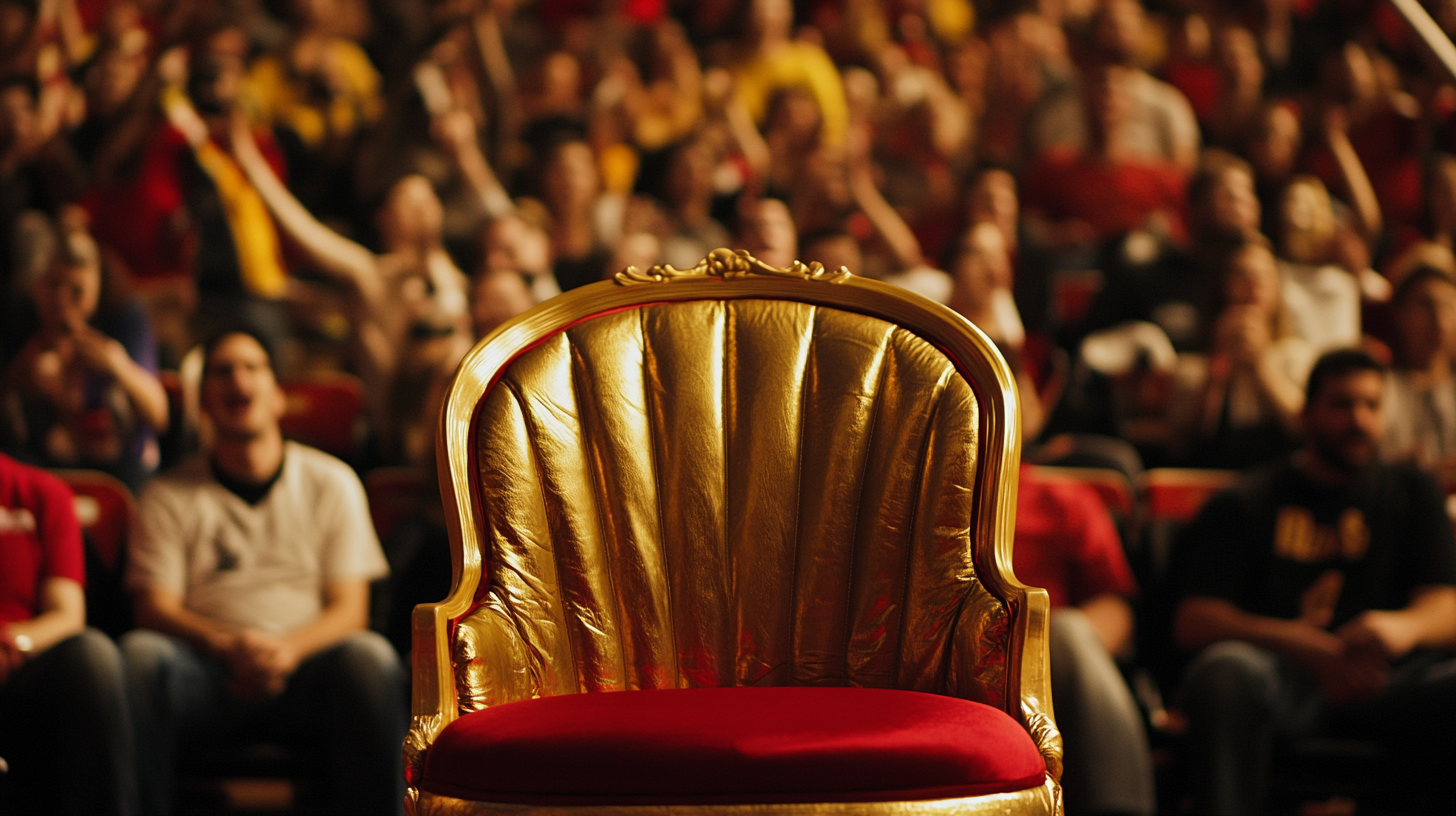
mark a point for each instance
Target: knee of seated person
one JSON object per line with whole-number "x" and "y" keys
{"x": 1071, "y": 636}
{"x": 1230, "y": 672}
{"x": 365, "y": 654}
{"x": 93, "y": 648}
{"x": 1071, "y": 630}
{"x": 89, "y": 654}
{"x": 146, "y": 651}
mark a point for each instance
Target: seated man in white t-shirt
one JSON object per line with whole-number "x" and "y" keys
{"x": 250, "y": 568}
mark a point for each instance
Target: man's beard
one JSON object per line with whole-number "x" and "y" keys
{"x": 1344, "y": 453}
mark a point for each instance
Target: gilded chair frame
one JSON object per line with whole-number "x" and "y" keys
{"x": 728, "y": 275}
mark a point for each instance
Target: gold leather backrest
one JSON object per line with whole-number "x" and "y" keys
{"x": 745, "y": 492}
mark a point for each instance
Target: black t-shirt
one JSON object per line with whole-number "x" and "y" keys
{"x": 1171, "y": 290}
{"x": 1280, "y": 542}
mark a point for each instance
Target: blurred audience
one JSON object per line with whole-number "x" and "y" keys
{"x": 1322, "y": 298}
{"x": 1155, "y": 122}
{"x": 408, "y": 306}
{"x": 1420, "y": 390}
{"x": 1066, "y": 543}
{"x": 83, "y": 390}
{"x": 1249, "y": 405}
{"x": 373, "y": 186}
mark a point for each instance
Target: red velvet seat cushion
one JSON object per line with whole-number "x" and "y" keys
{"x": 782, "y": 744}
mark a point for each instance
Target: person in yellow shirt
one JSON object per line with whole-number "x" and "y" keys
{"x": 320, "y": 87}
{"x": 777, "y": 62}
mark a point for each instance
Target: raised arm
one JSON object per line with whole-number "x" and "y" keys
{"x": 497, "y": 65}
{"x": 331, "y": 252}
{"x": 887, "y": 222}
{"x": 1357, "y": 181}
{"x": 455, "y": 131}
{"x": 721, "y": 100}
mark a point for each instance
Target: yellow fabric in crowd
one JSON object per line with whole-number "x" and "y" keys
{"x": 283, "y": 99}
{"x": 796, "y": 64}
{"x": 951, "y": 20}
{"x": 254, "y": 237}
{"x": 618, "y": 164}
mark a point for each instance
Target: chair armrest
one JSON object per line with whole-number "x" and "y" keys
{"x": 491, "y": 661}
{"x": 1022, "y": 687}
{"x": 479, "y": 661}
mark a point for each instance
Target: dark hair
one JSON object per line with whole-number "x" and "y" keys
{"x": 212, "y": 342}
{"x": 24, "y": 82}
{"x": 1212, "y": 166}
{"x": 1421, "y": 273}
{"x": 832, "y": 232}
{"x": 1338, "y": 363}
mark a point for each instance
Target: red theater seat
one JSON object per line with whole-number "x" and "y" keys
{"x": 1177, "y": 494}
{"x": 325, "y": 410}
{"x": 1111, "y": 486}
{"x": 105, "y": 508}
{"x": 721, "y": 745}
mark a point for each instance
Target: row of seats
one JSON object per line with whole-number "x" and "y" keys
{"x": 105, "y": 508}
{"x": 1161, "y": 494}
{"x": 1150, "y": 511}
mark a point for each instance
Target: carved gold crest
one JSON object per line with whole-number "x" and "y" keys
{"x": 730, "y": 264}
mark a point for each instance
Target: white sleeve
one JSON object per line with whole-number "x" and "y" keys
{"x": 156, "y": 552}
{"x": 1183, "y": 136}
{"x": 351, "y": 548}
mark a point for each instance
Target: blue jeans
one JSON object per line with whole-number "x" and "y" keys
{"x": 1107, "y": 767}
{"x": 345, "y": 705}
{"x": 1241, "y": 698}
{"x": 65, "y": 731}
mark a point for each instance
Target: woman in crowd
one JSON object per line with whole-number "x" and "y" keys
{"x": 1248, "y": 408}
{"x": 1420, "y": 393}
{"x": 83, "y": 391}
{"x": 1323, "y": 298}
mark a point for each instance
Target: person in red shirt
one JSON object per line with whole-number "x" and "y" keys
{"x": 1066, "y": 543}
{"x": 64, "y": 728}
{"x": 1077, "y": 198}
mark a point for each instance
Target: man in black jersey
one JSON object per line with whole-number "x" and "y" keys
{"x": 1322, "y": 593}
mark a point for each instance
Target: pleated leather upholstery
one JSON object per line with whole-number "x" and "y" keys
{"x": 728, "y": 492}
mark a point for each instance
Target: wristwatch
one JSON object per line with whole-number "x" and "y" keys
{"x": 23, "y": 644}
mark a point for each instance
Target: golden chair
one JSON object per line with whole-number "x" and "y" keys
{"x": 742, "y": 477}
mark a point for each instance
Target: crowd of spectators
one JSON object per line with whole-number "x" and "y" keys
{"x": 1163, "y": 212}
